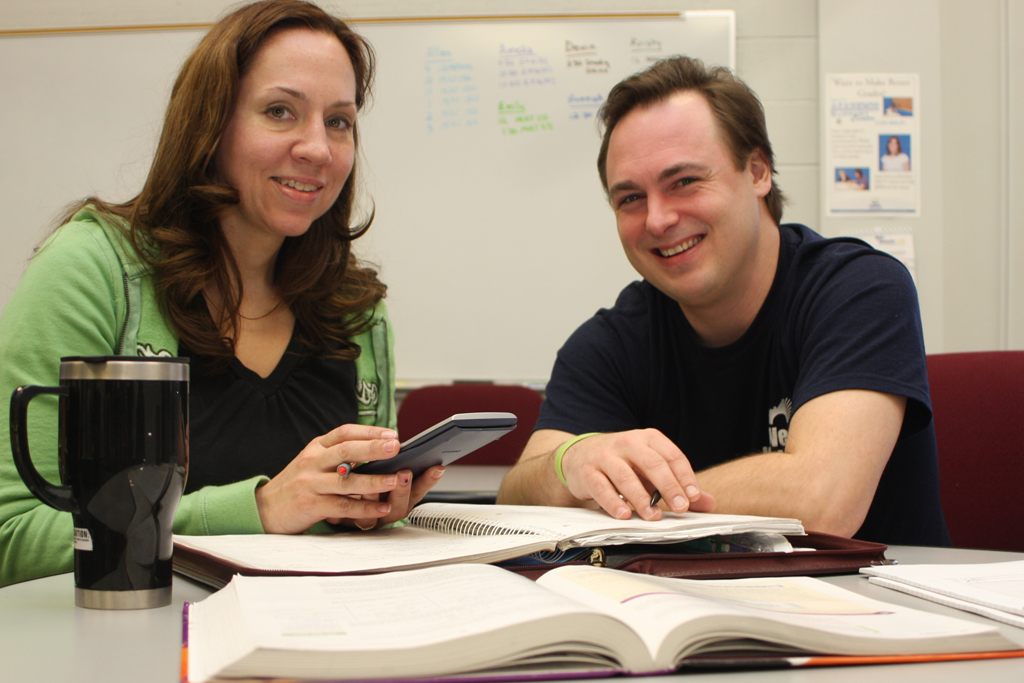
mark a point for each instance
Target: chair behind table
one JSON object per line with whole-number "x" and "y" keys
{"x": 424, "y": 407}
{"x": 978, "y": 407}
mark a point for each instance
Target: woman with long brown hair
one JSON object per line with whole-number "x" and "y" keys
{"x": 237, "y": 254}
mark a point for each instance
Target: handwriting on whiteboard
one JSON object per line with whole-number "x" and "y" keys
{"x": 533, "y": 84}
{"x": 450, "y": 91}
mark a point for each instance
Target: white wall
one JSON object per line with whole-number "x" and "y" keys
{"x": 1012, "y": 127}
{"x": 970, "y": 235}
{"x": 975, "y": 166}
{"x": 876, "y": 36}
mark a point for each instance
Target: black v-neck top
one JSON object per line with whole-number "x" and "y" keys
{"x": 242, "y": 425}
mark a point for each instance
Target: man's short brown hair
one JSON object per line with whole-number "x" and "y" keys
{"x": 735, "y": 107}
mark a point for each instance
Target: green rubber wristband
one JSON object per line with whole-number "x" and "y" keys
{"x": 560, "y": 451}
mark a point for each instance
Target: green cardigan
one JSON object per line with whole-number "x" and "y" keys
{"x": 87, "y": 293}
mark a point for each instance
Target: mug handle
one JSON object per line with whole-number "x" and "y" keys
{"x": 59, "y": 497}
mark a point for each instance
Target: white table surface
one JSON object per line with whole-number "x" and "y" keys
{"x": 478, "y": 478}
{"x": 44, "y": 637}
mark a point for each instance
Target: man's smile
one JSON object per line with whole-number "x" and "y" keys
{"x": 680, "y": 248}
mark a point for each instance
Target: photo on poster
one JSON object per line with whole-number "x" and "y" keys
{"x": 898, "y": 106}
{"x": 894, "y": 153}
{"x": 849, "y": 178}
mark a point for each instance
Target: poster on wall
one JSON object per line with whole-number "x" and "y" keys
{"x": 872, "y": 145}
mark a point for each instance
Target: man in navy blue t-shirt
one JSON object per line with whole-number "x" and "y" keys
{"x": 758, "y": 368}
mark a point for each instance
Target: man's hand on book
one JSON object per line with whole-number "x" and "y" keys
{"x": 310, "y": 488}
{"x": 620, "y": 471}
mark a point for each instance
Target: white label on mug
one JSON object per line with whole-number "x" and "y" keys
{"x": 83, "y": 540}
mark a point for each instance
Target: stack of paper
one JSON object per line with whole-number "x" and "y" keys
{"x": 993, "y": 590}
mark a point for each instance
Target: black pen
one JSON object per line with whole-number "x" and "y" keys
{"x": 655, "y": 497}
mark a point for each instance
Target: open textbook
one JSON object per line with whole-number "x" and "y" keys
{"x": 441, "y": 533}
{"x": 482, "y": 620}
{"x": 994, "y": 590}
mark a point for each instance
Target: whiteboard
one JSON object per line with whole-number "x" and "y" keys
{"x": 478, "y": 153}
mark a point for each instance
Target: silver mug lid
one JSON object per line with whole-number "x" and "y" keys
{"x": 147, "y": 368}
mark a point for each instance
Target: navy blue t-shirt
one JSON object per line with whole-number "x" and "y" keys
{"x": 839, "y": 315}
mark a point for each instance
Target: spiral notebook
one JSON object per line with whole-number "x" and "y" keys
{"x": 449, "y": 533}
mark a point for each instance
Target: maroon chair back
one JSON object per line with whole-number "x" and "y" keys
{"x": 978, "y": 406}
{"x": 426, "y": 406}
